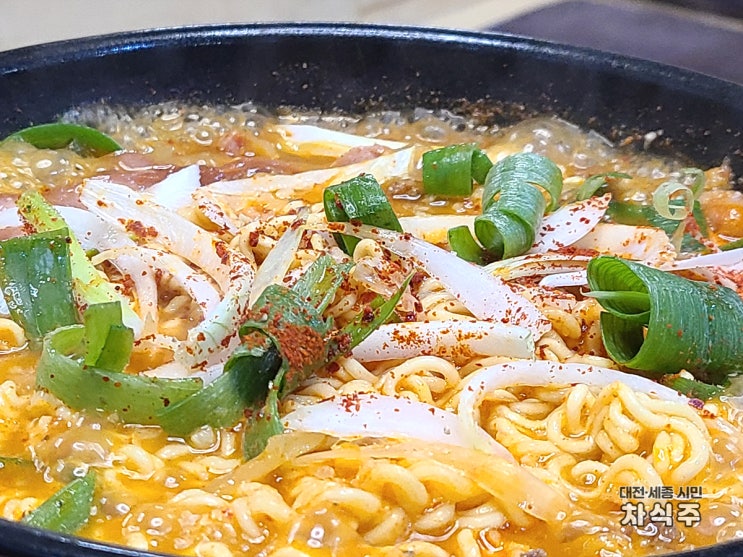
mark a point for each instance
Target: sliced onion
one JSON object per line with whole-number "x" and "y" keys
{"x": 721, "y": 259}
{"x": 537, "y": 264}
{"x": 642, "y": 243}
{"x": 313, "y": 141}
{"x": 233, "y": 272}
{"x": 544, "y": 372}
{"x": 378, "y": 416}
{"x": 10, "y": 218}
{"x": 486, "y": 296}
{"x": 570, "y": 223}
{"x": 94, "y": 233}
{"x": 279, "y": 259}
{"x": 209, "y": 206}
{"x": 447, "y": 339}
{"x": 176, "y": 190}
{"x": 560, "y": 280}
{"x": 196, "y": 285}
{"x": 286, "y": 186}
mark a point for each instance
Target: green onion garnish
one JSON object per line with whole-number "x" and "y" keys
{"x": 67, "y": 510}
{"x": 89, "y": 286}
{"x": 36, "y": 281}
{"x": 134, "y": 398}
{"x": 596, "y": 182}
{"x": 449, "y": 171}
{"x": 732, "y": 245}
{"x": 291, "y": 320}
{"x": 359, "y": 199}
{"x": 513, "y": 206}
{"x": 82, "y": 139}
{"x": 691, "y": 387}
{"x": 660, "y": 323}
{"x": 646, "y": 215}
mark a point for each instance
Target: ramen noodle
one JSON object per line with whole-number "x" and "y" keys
{"x": 485, "y": 415}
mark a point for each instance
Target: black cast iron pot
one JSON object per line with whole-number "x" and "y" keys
{"x": 495, "y": 78}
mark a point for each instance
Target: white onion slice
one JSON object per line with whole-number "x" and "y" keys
{"x": 544, "y": 372}
{"x": 537, "y": 264}
{"x": 196, "y": 285}
{"x": 641, "y": 243}
{"x": 232, "y": 271}
{"x": 362, "y": 415}
{"x": 95, "y": 233}
{"x": 570, "y": 223}
{"x": 279, "y": 259}
{"x": 313, "y": 141}
{"x": 486, "y": 296}
{"x": 210, "y": 207}
{"x": 446, "y": 339}
{"x": 720, "y": 259}
{"x": 286, "y": 186}
{"x": 92, "y": 231}
{"x": 177, "y": 189}
{"x": 10, "y": 218}
{"x": 559, "y": 280}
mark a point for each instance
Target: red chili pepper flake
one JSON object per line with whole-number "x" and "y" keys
{"x": 222, "y": 251}
{"x": 140, "y": 230}
{"x": 253, "y": 238}
{"x": 343, "y": 345}
{"x": 367, "y": 297}
{"x": 333, "y": 367}
{"x": 367, "y": 315}
{"x": 351, "y": 403}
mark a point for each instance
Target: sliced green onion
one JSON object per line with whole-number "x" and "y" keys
{"x": 645, "y": 215}
{"x": 134, "y": 398}
{"x": 318, "y": 285}
{"x": 252, "y": 366}
{"x": 732, "y": 245}
{"x": 514, "y": 203}
{"x": 89, "y": 285}
{"x": 596, "y": 182}
{"x": 359, "y": 199}
{"x": 82, "y": 139}
{"x": 465, "y": 246}
{"x": 36, "y": 282}
{"x": 222, "y": 402}
{"x": 691, "y": 387}
{"x": 67, "y": 510}
{"x": 6, "y": 461}
{"x": 262, "y": 425}
{"x": 108, "y": 342}
{"x": 667, "y": 191}
{"x": 449, "y": 171}
{"x": 265, "y": 422}
{"x": 690, "y": 325}
{"x": 630, "y": 304}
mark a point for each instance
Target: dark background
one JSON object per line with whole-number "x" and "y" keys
{"x": 702, "y": 35}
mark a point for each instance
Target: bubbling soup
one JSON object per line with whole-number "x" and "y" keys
{"x": 240, "y": 332}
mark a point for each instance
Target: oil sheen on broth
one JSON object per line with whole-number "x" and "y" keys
{"x": 576, "y": 449}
